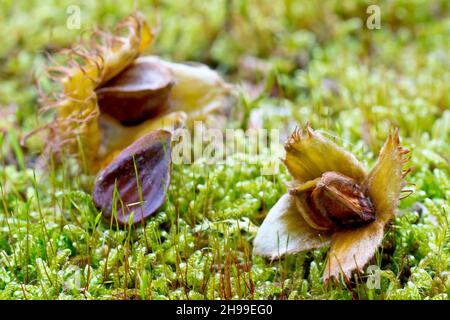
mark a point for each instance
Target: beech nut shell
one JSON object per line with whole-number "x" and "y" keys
{"x": 152, "y": 158}
{"x": 138, "y": 93}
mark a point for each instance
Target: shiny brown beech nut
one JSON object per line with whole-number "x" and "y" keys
{"x": 152, "y": 157}
{"x": 333, "y": 201}
{"x": 138, "y": 93}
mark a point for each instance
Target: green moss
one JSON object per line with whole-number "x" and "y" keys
{"x": 328, "y": 68}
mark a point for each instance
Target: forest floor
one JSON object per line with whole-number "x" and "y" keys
{"x": 329, "y": 69}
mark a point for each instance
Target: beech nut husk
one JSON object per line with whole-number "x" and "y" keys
{"x": 332, "y": 200}
{"x": 105, "y": 85}
{"x": 111, "y": 98}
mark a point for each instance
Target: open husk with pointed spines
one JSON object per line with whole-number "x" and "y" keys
{"x": 106, "y": 68}
{"x": 86, "y": 67}
{"x": 309, "y": 156}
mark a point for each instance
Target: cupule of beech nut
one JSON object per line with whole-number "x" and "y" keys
{"x": 333, "y": 201}
{"x": 152, "y": 157}
{"x": 136, "y": 94}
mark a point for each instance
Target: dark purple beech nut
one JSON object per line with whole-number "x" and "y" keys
{"x": 138, "y": 93}
{"x": 153, "y": 162}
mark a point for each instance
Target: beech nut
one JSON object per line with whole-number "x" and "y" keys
{"x": 151, "y": 154}
{"x": 333, "y": 201}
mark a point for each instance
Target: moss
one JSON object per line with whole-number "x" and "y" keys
{"x": 325, "y": 67}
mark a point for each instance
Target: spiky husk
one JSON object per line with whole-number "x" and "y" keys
{"x": 87, "y": 66}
